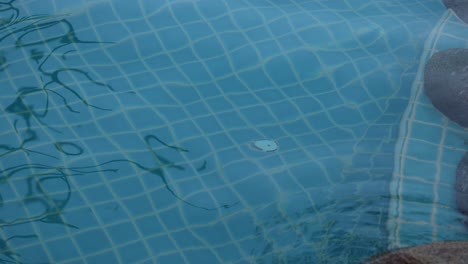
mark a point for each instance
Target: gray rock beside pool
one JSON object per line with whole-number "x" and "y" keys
{"x": 461, "y": 185}
{"x": 460, "y": 7}
{"x": 446, "y": 83}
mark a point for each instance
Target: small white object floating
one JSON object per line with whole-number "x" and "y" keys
{"x": 265, "y": 145}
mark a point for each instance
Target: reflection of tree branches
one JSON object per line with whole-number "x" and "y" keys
{"x": 36, "y": 193}
{"x": 21, "y": 33}
{"x": 165, "y": 163}
{"x": 8, "y": 252}
{"x": 53, "y": 208}
{"x": 67, "y": 39}
{"x": 26, "y": 112}
{"x": 19, "y": 28}
{"x": 5, "y": 7}
{"x": 158, "y": 170}
{"x": 36, "y": 24}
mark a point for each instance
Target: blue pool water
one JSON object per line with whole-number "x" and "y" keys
{"x": 128, "y": 130}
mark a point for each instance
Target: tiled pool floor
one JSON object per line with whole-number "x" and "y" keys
{"x": 128, "y": 127}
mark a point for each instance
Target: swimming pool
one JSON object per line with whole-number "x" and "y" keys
{"x": 129, "y": 130}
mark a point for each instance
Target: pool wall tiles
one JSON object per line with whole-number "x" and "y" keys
{"x": 139, "y": 148}
{"x": 427, "y": 155}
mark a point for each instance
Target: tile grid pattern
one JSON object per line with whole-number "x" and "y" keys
{"x": 429, "y": 149}
{"x": 280, "y": 71}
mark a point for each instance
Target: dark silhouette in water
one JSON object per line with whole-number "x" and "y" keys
{"x": 460, "y": 7}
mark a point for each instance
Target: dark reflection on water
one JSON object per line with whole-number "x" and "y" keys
{"x": 20, "y": 33}
{"x": 15, "y": 29}
{"x": 7, "y": 252}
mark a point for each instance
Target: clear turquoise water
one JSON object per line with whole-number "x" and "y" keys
{"x": 128, "y": 127}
